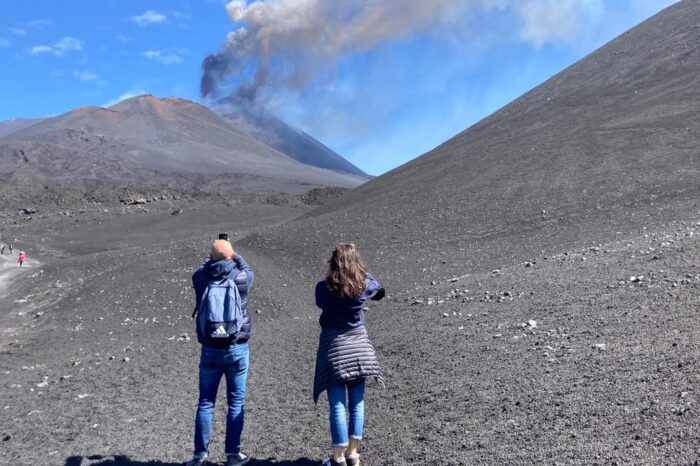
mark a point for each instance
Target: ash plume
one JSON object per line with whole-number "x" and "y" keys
{"x": 308, "y": 35}
{"x": 287, "y": 44}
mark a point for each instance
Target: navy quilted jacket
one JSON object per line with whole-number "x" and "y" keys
{"x": 242, "y": 275}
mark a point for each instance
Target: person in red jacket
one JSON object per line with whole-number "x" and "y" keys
{"x": 21, "y": 258}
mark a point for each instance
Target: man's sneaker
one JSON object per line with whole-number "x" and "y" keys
{"x": 352, "y": 460}
{"x": 331, "y": 462}
{"x": 198, "y": 461}
{"x": 238, "y": 459}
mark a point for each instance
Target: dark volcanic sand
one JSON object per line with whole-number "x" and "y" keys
{"x": 467, "y": 383}
{"x": 592, "y": 177}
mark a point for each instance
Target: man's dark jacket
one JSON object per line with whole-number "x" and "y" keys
{"x": 242, "y": 275}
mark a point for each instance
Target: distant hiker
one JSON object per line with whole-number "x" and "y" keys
{"x": 2, "y": 249}
{"x": 10, "y": 248}
{"x": 221, "y": 286}
{"x": 345, "y": 355}
{"x": 21, "y": 258}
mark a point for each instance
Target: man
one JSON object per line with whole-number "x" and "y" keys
{"x": 2, "y": 249}
{"x": 224, "y": 349}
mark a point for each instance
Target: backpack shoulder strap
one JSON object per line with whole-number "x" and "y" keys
{"x": 204, "y": 295}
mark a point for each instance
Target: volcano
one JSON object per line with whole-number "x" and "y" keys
{"x": 148, "y": 140}
{"x": 267, "y": 128}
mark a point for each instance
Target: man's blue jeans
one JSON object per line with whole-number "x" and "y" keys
{"x": 337, "y": 406}
{"x": 233, "y": 363}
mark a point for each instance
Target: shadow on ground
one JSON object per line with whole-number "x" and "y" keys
{"x": 121, "y": 460}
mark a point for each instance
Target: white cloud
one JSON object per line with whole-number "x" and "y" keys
{"x": 86, "y": 75}
{"x": 123, "y": 39}
{"x": 149, "y": 17}
{"x": 60, "y": 48}
{"x": 40, "y": 22}
{"x": 4, "y": 43}
{"x": 18, "y": 31}
{"x": 556, "y": 20}
{"x": 68, "y": 44}
{"x": 37, "y": 49}
{"x": 124, "y": 96}
{"x": 166, "y": 57}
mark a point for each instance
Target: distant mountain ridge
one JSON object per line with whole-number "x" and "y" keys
{"x": 17, "y": 124}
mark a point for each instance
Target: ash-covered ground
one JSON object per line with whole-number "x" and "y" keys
{"x": 543, "y": 282}
{"x": 586, "y": 355}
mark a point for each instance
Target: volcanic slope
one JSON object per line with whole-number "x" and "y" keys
{"x": 270, "y": 130}
{"x": 168, "y": 141}
{"x": 608, "y": 145}
{"x": 17, "y": 124}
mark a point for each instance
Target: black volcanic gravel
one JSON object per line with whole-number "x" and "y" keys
{"x": 101, "y": 367}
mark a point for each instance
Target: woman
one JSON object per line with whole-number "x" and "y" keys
{"x": 21, "y": 258}
{"x": 345, "y": 355}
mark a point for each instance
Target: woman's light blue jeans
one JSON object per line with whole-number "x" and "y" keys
{"x": 213, "y": 364}
{"x": 340, "y": 429}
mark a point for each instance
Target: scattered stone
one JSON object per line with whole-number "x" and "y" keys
{"x": 600, "y": 346}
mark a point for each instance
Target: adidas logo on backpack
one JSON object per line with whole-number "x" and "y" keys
{"x": 219, "y": 315}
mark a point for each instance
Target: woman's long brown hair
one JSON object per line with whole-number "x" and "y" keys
{"x": 346, "y": 272}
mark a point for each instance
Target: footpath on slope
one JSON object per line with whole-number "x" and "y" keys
{"x": 10, "y": 268}
{"x": 9, "y": 272}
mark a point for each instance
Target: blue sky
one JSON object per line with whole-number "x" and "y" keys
{"x": 381, "y": 98}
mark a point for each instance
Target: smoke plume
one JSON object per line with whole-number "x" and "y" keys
{"x": 290, "y": 39}
{"x": 283, "y": 44}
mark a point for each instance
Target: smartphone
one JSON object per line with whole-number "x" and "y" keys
{"x": 223, "y": 236}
